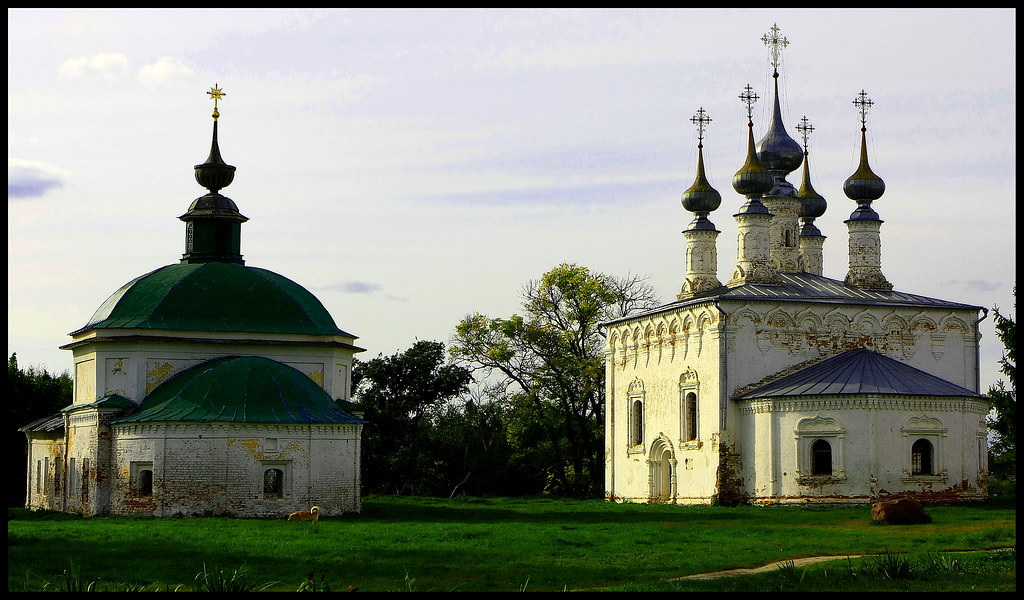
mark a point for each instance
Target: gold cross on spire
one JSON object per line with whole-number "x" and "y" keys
{"x": 748, "y": 97}
{"x": 863, "y": 103}
{"x": 776, "y": 45}
{"x": 805, "y": 128}
{"x": 216, "y": 93}
{"x": 701, "y": 120}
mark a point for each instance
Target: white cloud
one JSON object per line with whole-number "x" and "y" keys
{"x": 163, "y": 70}
{"x": 106, "y": 65}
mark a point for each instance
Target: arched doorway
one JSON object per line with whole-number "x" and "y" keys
{"x": 662, "y": 470}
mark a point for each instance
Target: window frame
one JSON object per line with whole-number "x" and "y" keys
{"x": 137, "y": 479}
{"x": 808, "y": 432}
{"x": 919, "y": 428}
{"x": 636, "y": 409}
{"x": 689, "y": 385}
{"x": 282, "y": 466}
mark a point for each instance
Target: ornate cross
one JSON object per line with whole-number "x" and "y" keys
{"x": 216, "y": 93}
{"x": 805, "y": 128}
{"x": 776, "y": 45}
{"x": 863, "y": 103}
{"x": 701, "y": 120}
{"x": 748, "y": 97}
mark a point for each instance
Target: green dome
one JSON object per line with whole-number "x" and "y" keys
{"x": 216, "y": 297}
{"x": 240, "y": 389}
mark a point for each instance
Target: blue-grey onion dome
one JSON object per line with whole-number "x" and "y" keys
{"x": 812, "y": 204}
{"x": 701, "y": 197}
{"x": 777, "y": 151}
{"x": 752, "y": 178}
{"x": 864, "y": 186}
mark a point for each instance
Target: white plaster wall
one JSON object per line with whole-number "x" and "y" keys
{"x": 657, "y": 352}
{"x": 763, "y": 339}
{"x": 134, "y": 368}
{"x": 871, "y": 455}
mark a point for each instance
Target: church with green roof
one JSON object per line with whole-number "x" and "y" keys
{"x": 204, "y": 387}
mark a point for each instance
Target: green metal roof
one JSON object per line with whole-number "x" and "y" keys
{"x": 114, "y": 401}
{"x": 215, "y": 296}
{"x": 240, "y": 389}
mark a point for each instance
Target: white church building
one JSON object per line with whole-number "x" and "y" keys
{"x": 783, "y": 385}
{"x": 204, "y": 387}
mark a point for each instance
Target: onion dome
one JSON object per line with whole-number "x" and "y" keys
{"x": 240, "y": 389}
{"x": 864, "y": 186}
{"x": 752, "y": 179}
{"x": 700, "y": 198}
{"x": 778, "y": 152}
{"x": 213, "y": 222}
{"x": 812, "y": 203}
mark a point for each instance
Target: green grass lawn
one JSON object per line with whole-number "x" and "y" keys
{"x": 507, "y": 544}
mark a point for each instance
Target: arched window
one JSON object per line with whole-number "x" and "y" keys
{"x": 691, "y": 417}
{"x": 273, "y": 483}
{"x": 146, "y": 482}
{"x": 142, "y": 478}
{"x": 636, "y": 417}
{"x": 921, "y": 458}
{"x": 821, "y": 458}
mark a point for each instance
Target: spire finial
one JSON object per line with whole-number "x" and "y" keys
{"x": 748, "y": 97}
{"x": 701, "y": 121}
{"x": 805, "y": 128}
{"x": 216, "y": 93}
{"x": 776, "y": 44}
{"x": 863, "y": 103}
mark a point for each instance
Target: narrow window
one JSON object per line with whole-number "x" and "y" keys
{"x": 85, "y": 481}
{"x": 637, "y": 430}
{"x": 145, "y": 482}
{"x": 691, "y": 417}
{"x": 921, "y": 458}
{"x": 821, "y": 458}
{"x": 273, "y": 483}
{"x": 39, "y": 476}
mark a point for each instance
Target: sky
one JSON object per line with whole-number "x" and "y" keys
{"x": 411, "y": 167}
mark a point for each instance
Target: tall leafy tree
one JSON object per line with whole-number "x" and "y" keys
{"x": 32, "y": 394}
{"x": 472, "y": 451}
{"x": 1004, "y": 400}
{"x": 397, "y": 393}
{"x": 550, "y": 361}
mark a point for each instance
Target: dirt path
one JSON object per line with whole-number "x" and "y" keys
{"x": 797, "y": 562}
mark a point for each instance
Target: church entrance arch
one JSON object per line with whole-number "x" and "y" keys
{"x": 662, "y": 471}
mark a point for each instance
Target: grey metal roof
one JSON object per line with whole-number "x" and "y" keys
{"x": 805, "y": 287}
{"x": 46, "y": 424}
{"x": 858, "y": 371}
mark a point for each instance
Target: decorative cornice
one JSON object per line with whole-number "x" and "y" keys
{"x": 858, "y": 402}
